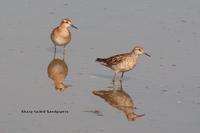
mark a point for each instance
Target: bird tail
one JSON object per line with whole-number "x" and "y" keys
{"x": 102, "y": 61}
{"x": 102, "y": 93}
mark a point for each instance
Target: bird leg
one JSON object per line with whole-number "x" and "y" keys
{"x": 114, "y": 78}
{"x": 54, "y": 56}
{"x": 121, "y": 88}
{"x": 122, "y": 75}
{"x": 114, "y": 86}
{"x": 63, "y": 52}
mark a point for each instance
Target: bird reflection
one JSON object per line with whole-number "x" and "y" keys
{"x": 57, "y": 71}
{"x": 119, "y": 99}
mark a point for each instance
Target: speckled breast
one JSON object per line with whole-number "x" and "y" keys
{"x": 127, "y": 64}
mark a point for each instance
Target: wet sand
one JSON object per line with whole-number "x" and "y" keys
{"x": 164, "y": 87}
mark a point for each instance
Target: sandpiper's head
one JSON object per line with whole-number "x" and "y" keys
{"x": 60, "y": 87}
{"x": 132, "y": 116}
{"x": 67, "y": 23}
{"x": 139, "y": 51}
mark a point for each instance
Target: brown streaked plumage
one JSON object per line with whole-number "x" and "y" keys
{"x": 122, "y": 62}
{"x": 61, "y": 35}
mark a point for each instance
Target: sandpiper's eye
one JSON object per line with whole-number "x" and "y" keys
{"x": 140, "y": 50}
{"x": 65, "y": 21}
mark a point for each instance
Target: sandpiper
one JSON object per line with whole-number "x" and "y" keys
{"x": 122, "y": 62}
{"x": 61, "y": 35}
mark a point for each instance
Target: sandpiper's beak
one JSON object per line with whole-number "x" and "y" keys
{"x": 73, "y": 26}
{"x": 147, "y": 54}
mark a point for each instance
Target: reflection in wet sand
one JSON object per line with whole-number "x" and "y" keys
{"x": 57, "y": 71}
{"x": 97, "y": 112}
{"x": 119, "y": 99}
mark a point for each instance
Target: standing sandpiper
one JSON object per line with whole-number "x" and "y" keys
{"x": 61, "y": 35}
{"x": 122, "y": 62}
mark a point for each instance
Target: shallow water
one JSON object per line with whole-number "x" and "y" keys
{"x": 164, "y": 87}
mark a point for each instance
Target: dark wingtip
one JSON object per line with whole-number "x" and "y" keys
{"x": 95, "y": 92}
{"x": 99, "y": 93}
{"x": 98, "y": 59}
